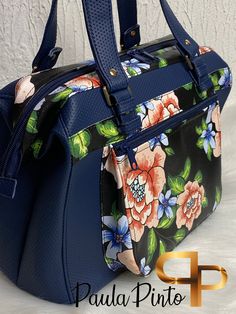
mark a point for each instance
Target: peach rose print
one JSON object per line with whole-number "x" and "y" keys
{"x": 142, "y": 188}
{"x": 190, "y": 204}
{"x": 24, "y": 89}
{"x": 159, "y": 109}
{"x": 82, "y": 84}
{"x": 216, "y": 121}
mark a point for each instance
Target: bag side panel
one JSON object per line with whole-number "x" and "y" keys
{"x": 7, "y": 97}
{"x": 14, "y": 214}
{"x": 42, "y": 270}
{"x": 84, "y": 252}
{"x": 172, "y": 186}
{"x": 14, "y": 218}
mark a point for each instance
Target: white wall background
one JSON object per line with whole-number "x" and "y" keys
{"x": 210, "y": 22}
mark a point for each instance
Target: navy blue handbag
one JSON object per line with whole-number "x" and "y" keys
{"x": 107, "y": 164}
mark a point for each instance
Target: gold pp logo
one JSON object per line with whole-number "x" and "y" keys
{"x": 195, "y": 279}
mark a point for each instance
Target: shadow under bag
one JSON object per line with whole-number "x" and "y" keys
{"x": 107, "y": 164}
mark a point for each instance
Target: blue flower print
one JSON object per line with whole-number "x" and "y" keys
{"x": 209, "y": 138}
{"x": 115, "y": 265}
{"x": 144, "y": 269}
{"x": 226, "y": 78}
{"x": 166, "y": 204}
{"x": 117, "y": 236}
{"x": 79, "y": 88}
{"x": 209, "y": 114}
{"x": 157, "y": 141}
{"x": 143, "y": 109}
{"x": 134, "y": 67}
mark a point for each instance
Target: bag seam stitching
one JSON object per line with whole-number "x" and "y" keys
{"x": 64, "y": 228}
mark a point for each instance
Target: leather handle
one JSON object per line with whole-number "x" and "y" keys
{"x": 129, "y": 27}
{"x": 175, "y": 27}
{"x": 48, "y": 53}
{"x": 100, "y": 28}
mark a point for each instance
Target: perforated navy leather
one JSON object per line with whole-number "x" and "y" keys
{"x": 8, "y": 187}
{"x": 42, "y": 58}
{"x": 98, "y": 16}
{"x": 78, "y": 117}
{"x": 186, "y": 43}
{"x": 52, "y": 227}
{"x": 192, "y": 49}
{"x": 128, "y": 20}
{"x": 129, "y": 27}
{"x": 100, "y": 28}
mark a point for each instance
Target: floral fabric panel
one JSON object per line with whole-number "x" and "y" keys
{"x": 29, "y": 85}
{"x": 151, "y": 112}
{"x": 104, "y": 133}
{"x": 47, "y": 110}
{"x": 176, "y": 186}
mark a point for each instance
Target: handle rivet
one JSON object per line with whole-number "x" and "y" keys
{"x": 113, "y": 72}
{"x": 187, "y": 42}
{"x": 133, "y": 34}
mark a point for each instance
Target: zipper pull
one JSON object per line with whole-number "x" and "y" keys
{"x": 134, "y": 53}
{"x": 149, "y": 55}
{"x": 8, "y": 187}
{"x": 142, "y": 55}
{"x": 132, "y": 159}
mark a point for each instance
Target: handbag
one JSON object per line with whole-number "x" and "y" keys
{"x": 107, "y": 164}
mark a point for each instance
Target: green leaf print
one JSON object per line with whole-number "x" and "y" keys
{"x": 62, "y": 95}
{"x": 209, "y": 153}
{"x": 166, "y": 222}
{"x": 198, "y": 177}
{"x": 215, "y": 81}
{"x": 164, "y": 189}
{"x": 180, "y": 235}
{"x": 115, "y": 139}
{"x": 200, "y": 143}
{"x": 159, "y": 53}
{"x": 221, "y": 72}
{"x": 205, "y": 202}
{"x": 204, "y": 125}
{"x": 32, "y": 123}
{"x": 152, "y": 245}
{"x": 109, "y": 130}
{"x": 169, "y": 151}
{"x": 36, "y": 147}
{"x": 162, "y": 249}
{"x": 139, "y": 109}
{"x": 202, "y": 95}
{"x": 131, "y": 71}
{"x": 115, "y": 213}
{"x": 108, "y": 260}
{"x": 199, "y": 130}
{"x": 218, "y": 195}
{"x": 188, "y": 86}
{"x": 163, "y": 63}
{"x": 187, "y": 169}
{"x": 79, "y": 144}
{"x": 176, "y": 185}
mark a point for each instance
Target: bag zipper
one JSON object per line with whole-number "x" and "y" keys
{"x": 145, "y": 54}
{"x": 142, "y": 55}
{"x": 19, "y": 128}
{"x": 128, "y": 146}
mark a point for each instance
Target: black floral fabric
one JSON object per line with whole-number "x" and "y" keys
{"x": 177, "y": 184}
{"x": 149, "y": 206}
